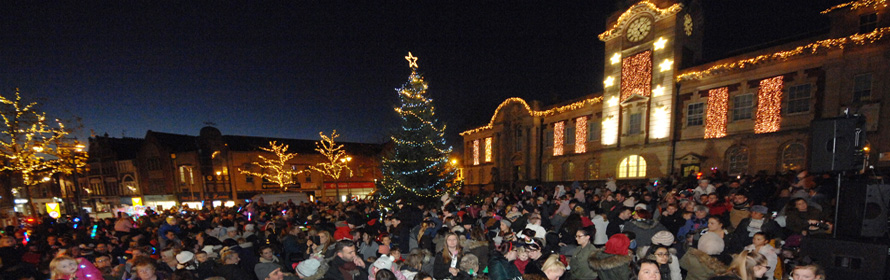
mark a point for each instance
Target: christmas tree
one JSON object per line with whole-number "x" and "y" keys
{"x": 417, "y": 170}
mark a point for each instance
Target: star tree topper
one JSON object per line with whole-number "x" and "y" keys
{"x": 412, "y": 61}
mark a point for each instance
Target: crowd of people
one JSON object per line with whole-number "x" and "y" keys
{"x": 672, "y": 229}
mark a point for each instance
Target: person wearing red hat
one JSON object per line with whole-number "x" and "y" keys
{"x": 613, "y": 263}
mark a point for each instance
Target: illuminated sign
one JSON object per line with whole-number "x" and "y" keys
{"x": 53, "y": 210}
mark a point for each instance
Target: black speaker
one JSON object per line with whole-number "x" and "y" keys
{"x": 837, "y": 144}
{"x": 862, "y": 209}
{"x": 846, "y": 259}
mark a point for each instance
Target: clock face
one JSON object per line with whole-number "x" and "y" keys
{"x": 687, "y": 24}
{"x": 638, "y": 29}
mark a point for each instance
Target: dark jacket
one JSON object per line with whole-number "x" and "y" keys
{"x": 502, "y": 269}
{"x": 440, "y": 267}
{"x": 644, "y": 229}
{"x": 235, "y": 272}
{"x": 339, "y": 269}
{"x": 609, "y": 266}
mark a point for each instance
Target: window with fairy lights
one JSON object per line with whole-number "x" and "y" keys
{"x": 737, "y": 160}
{"x": 476, "y": 152}
{"x": 580, "y": 135}
{"x": 633, "y": 166}
{"x": 558, "y": 137}
{"x": 568, "y": 171}
{"x": 798, "y": 99}
{"x": 742, "y": 107}
{"x": 488, "y": 155}
{"x": 695, "y": 114}
{"x": 636, "y": 75}
{"x": 769, "y": 105}
{"x": 715, "y": 122}
{"x": 793, "y": 156}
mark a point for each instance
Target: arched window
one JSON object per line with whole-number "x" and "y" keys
{"x": 568, "y": 171}
{"x": 737, "y": 160}
{"x": 548, "y": 172}
{"x": 793, "y": 156}
{"x": 633, "y": 166}
{"x": 591, "y": 170}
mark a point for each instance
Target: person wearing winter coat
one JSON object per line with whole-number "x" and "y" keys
{"x": 643, "y": 226}
{"x": 580, "y": 266}
{"x": 500, "y": 264}
{"x": 613, "y": 263}
{"x": 706, "y": 261}
{"x": 344, "y": 264}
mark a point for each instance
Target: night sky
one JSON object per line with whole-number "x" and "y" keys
{"x": 294, "y": 68}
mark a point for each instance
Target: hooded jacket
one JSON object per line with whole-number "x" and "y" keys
{"x": 644, "y": 229}
{"x": 609, "y": 266}
{"x": 701, "y": 266}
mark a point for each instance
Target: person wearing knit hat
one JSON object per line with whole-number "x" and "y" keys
{"x": 704, "y": 262}
{"x": 665, "y": 238}
{"x": 613, "y": 263}
{"x": 268, "y": 271}
{"x": 307, "y": 268}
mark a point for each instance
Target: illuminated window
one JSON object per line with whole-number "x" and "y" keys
{"x": 793, "y": 157}
{"x": 633, "y": 166}
{"x": 635, "y": 124}
{"x": 186, "y": 177}
{"x": 568, "y": 171}
{"x": 737, "y": 160}
{"x": 695, "y": 114}
{"x": 548, "y": 172}
{"x": 476, "y": 152}
{"x": 593, "y": 131}
{"x": 798, "y": 99}
{"x": 868, "y": 23}
{"x": 861, "y": 87}
{"x": 636, "y": 75}
{"x": 742, "y": 107}
{"x": 488, "y": 149}
{"x": 591, "y": 170}
{"x": 558, "y": 137}
{"x": 580, "y": 135}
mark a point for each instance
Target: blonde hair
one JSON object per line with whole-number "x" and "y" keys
{"x": 743, "y": 264}
{"x": 56, "y": 262}
{"x": 553, "y": 263}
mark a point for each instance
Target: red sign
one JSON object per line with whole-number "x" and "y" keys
{"x": 356, "y": 185}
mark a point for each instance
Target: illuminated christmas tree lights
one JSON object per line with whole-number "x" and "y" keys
{"x": 417, "y": 170}
{"x": 276, "y": 169}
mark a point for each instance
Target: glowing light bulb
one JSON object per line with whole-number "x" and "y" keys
{"x": 609, "y": 81}
{"x": 659, "y": 44}
{"x": 616, "y": 58}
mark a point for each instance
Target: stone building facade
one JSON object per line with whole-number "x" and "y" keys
{"x": 664, "y": 112}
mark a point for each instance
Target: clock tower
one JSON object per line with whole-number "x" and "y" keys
{"x": 646, "y": 45}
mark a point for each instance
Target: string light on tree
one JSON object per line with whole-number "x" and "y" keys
{"x": 275, "y": 169}
{"x": 769, "y": 105}
{"x": 417, "y": 169}
{"x": 715, "y": 121}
